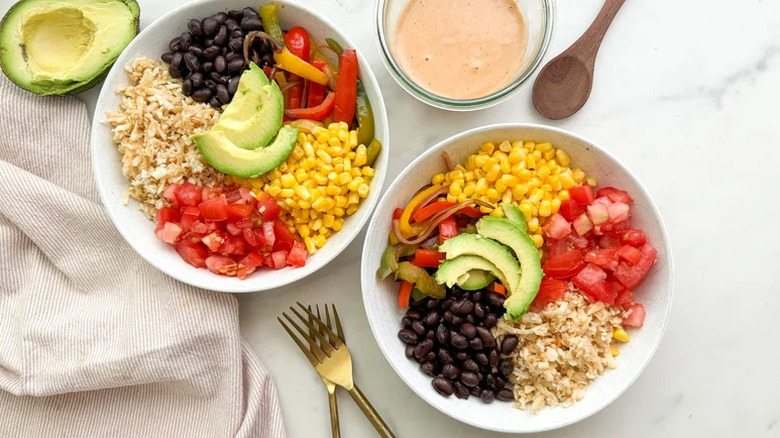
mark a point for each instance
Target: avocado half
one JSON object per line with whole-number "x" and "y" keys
{"x": 64, "y": 47}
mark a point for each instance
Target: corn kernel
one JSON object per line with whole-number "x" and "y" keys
{"x": 505, "y": 146}
{"x": 363, "y": 190}
{"x": 328, "y": 220}
{"x": 455, "y": 189}
{"x": 545, "y": 209}
{"x": 591, "y": 181}
{"x": 344, "y": 178}
{"x": 621, "y": 335}
{"x": 338, "y": 224}
{"x": 519, "y": 191}
{"x": 351, "y": 209}
{"x": 614, "y": 350}
{"x": 361, "y": 156}
{"x": 536, "y": 195}
{"x": 481, "y": 186}
{"x": 287, "y": 193}
{"x": 527, "y": 208}
{"x": 487, "y": 147}
{"x": 555, "y": 205}
{"x": 367, "y": 171}
{"x": 538, "y": 240}
{"x": 533, "y": 224}
{"x": 304, "y": 231}
{"x": 320, "y": 241}
{"x": 310, "y": 245}
{"x": 341, "y": 201}
{"x": 578, "y": 175}
{"x": 529, "y": 146}
{"x": 543, "y": 172}
{"x": 549, "y": 155}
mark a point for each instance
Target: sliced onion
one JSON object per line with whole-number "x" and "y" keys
{"x": 331, "y": 77}
{"x": 284, "y": 89}
{"x": 276, "y": 46}
{"x": 431, "y": 197}
{"x": 448, "y": 161}
{"x": 430, "y": 243}
{"x": 304, "y": 124}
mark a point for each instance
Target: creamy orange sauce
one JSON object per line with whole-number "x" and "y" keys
{"x": 461, "y": 49}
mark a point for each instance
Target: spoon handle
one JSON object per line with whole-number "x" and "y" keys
{"x": 590, "y": 41}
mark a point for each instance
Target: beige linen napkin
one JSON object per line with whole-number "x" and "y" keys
{"x": 94, "y": 342}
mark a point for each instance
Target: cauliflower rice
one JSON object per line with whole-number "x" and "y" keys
{"x": 560, "y": 350}
{"x": 152, "y": 129}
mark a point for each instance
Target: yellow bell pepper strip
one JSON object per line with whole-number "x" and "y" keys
{"x": 269, "y": 15}
{"x": 295, "y": 65}
{"x": 403, "y": 223}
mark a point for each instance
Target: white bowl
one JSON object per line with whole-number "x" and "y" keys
{"x": 655, "y": 293}
{"x": 139, "y": 231}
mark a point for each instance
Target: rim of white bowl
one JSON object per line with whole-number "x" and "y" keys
{"x": 436, "y": 149}
{"x": 294, "y": 275}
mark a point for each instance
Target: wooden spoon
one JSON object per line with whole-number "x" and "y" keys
{"x": 563, "y": 86}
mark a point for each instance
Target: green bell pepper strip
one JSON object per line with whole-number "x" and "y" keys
{"x": 372, "y": 152}
{"x": 269, "y": 15}
{"x": 365, "y": 116}
{"x": 421, "y": 279}
{"x": 389, "y": 263}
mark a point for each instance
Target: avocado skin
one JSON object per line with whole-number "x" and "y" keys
{"x": 134, "y": 8}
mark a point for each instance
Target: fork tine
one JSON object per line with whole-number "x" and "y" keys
{"x": 327, "y": 317}
{"x": 324, "y": 344}
{"x": 315, "y": 349}
{"x": 311, "y": 332}
{"x": 334, "y": 339}
{"x": 339, "y": 330}
{"x": 305, "y": 350}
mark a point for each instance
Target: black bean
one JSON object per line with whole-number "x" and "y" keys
{"x": 458, "y": 341}
{"x": 468, "y": 330}
{"x": 429, "y": 357}
{"x": 487, "y": 337}
{"x": 461, "y": 391}
{"x": 263, "y": 46}
{"x": 500, "y": 382}
{"x": 249, "y": 12}
{"x": 174, "y": 71}
{"x": 208, "y": 42}
{"x": 475, "y": 391}
{"x": 470, "y": 365}
{"x": 505, "y": 368}
{"x": 236, "y": 35}
{"x": 406, "y": 322}
{"x": 206, "y": 67}
{"x": 236, "y": 44}
{"x": 413, "y": 313}
{"x": 479, "y": 310}
{"x": 508, "y": 344}
{"x": 166, "y": 57}
{"x": 505, "y": 395}
{"x": 176, "y": 45}
{"x": 176, "y": 59}
{"x": 423, "y": 348}
{"x": 210, "y": 84}
{"x": 409, "y": 351}
{"x": 405, "y": 335}
{"x": 197, "y": 80}
{"x": 443, "y": 386}
{"x": 195, "y": 50}
{"x": 210, "y": 53}
{"x": 470, "y": 319}
{"x": 232, "y": 24}
{"x": 186, "y": 39}
{"x": 233, "y": 85}
{"x": 432, "y": 319}
{"x": 428, "y": 368}
{"x": 221, "y": 17}
{"x": 222, "y": 36}
{"x": 210, "y": 26}
{"x": 494, "y": 359}
{"x": 202, "y": 95}
{"x": 491, "y": 382}
{"x": 446, "y": 304}
{"x": 249, "y": 24}
{"x": 268, "y": 59}
{"x": 462, "y": 355}
{"x": 481, "y": 359}
{"x": 418, "y": 328}
{"x": 186, "y": 87}
{"x": 447, "y": 316}
{"x": 215, "y": 77}
{"x": 476, "y": 344}
{"x": 490, "y": 321}
{"x": 457, "y": 320}
{"x": 442, "y": 333}
{"x": 450, "y": 371}
{"x": 469, "y": 379}
{"x": 431, "y": 303}
{"x": 487, "y": 396}
{"x": 195, "y": 27}
{"x": 496, "y": 300}
{"x": 445, "y": 357}
{"x": 476, "y": 296}
{"x": 191, "y": 61}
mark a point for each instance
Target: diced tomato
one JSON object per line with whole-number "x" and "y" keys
{"x": 170, "y": 194}
{"x": 244, "y": 223}
{"x": 602, "y": 201}
{"x": 624, "y": 297}
{"x": 188, "y": 194}
{"x": 605, "y": 258}
{"x": 611, "y": 241}
{"x": 169, "y": 232}
{"x": 582, "y": 224}
{"x": 221, "y": 265}
{"x": 427, "y": 258}
{"x": 497, "y": 288}
{"x": 167, "y": 214}
{"x": 297, "y": 255}
{"x": 636, "y": 317}
{"x": 447, "y": 229}
{"x": 199, "y": 227}
{"x": 249, "y": 264}
{"x": 598, "y": 214}
{"x": 571, "y": 209}
{"x": 622, "y": 227}
{"x": 557, "y": 227}
{"x": 431, "y": 209}
{"x": 213, "y": 241}
{"x": 592, "y": 281}
{"x": 634, "y": 238}
{"x": 277, "y": 259}
{"x": 284, "y": 237}
{"x": 615, "y": 195}
{"x": 631, "y": 276}
{"x": 268, "y": 234}
{"x": 404, "y": 293}
{"x": 247, "y": 197}
{"x": 249, "y": 236}
{"x": 550, "y": 291}
{"x": 618, "y": 212}
{"x": 268, "y": 207}
{"x": 629, "y": 254}
{"x": 192, "y": 253}
{"x": 565, "y": 265}
{"x": 556, "y": 248}
{"x": 232, "y": 229}
{"x": 397, "y": 213}
{"x": 233, "y": 196}
{"x": 214, "y": 209}
{"x": 239, "y": 211}
{"x": 579, "y": 242}
{"x": 582, "y": 194}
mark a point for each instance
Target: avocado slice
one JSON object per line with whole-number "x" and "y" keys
{"x": 255, "y": 114}
{"x": 477, "y": 280}
{"x": 470, "y": 272}
{"x": 508, "y": 233}
{"x": 64, "y": 47}
{"x": 515, "y": 215}
{"x": 490, "y": 250}
{"x": 228, "y": 158}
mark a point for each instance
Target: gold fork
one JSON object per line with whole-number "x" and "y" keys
{"x": 331, "y": 360}
{"x": 335, "y": 429}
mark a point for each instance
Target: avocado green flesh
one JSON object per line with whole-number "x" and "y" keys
{"x": 515, "y": 215}
{"x": 489, "y": 250}
{"x": 228, "y": 158}
{"x": 255, "y": 114}
{"x": 470, "y": 272}
{"x": 508, "y": 233}
{"x": 64, "y": 47}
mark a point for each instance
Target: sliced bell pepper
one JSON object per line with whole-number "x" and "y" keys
{"x": 295, "y": 95}
{"x": 431, "y": 209}
{"x": 447, "y": 229}
{"x": 397, "y": 213}
{"x": 319, "y": 112}
{"x": 403, "y": 223}
{"x": 287, "y": 61}
{"x": 427, "y": 258}
{"x": 316, "y": 91}
{"x": 346, "y": 87}
{"x": 269, "y": 15}
{"x": 421, "y": 279}
{"x": 389, "y": 263}
{"x": 497, "y": 288}
{"x": 297, "y": 40}
{"x": 365, "y": 115}
{"x": 335, "y": 46}
{"x": 404, "y": 292}
{"x": 372, "y": 151}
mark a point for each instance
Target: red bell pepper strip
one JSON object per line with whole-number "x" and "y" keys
{"x": 318, "y": 112}
{"x": 346, "y": 88}
{"x": 431, "y": 209}
{"x": 497, "y": 288}
{"x": 316, "y": 91}
{"x": 297, "y": 41}
{"x": 427, "y": 258}
{"x": 397, "y": 213}
{"x": 448, "y": 228}
{"x": 404, "y": 293}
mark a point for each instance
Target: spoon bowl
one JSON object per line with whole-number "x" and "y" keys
{"x": 563, "y": 87}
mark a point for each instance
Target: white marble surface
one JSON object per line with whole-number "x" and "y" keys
{"x": 687, "y": 94}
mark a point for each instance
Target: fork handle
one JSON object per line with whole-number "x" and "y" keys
{"x": 334, "y": 415}
{"x": 370, "y": 413}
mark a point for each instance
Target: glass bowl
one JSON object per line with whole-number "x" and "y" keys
{"x": 540, "y": 19}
